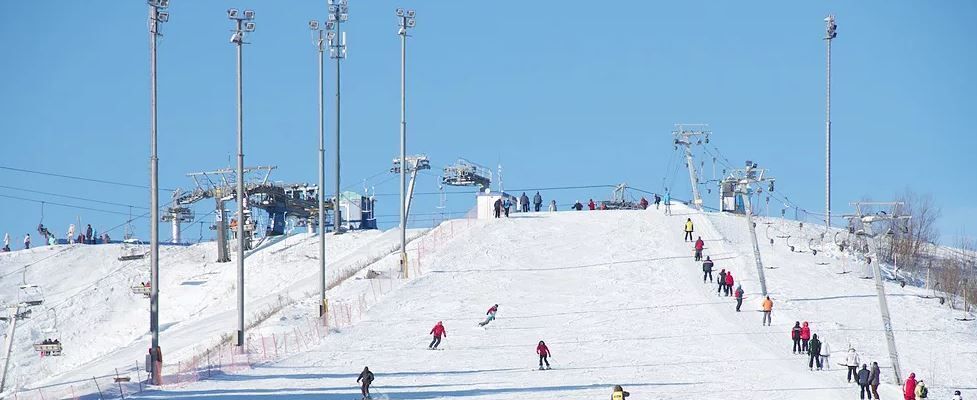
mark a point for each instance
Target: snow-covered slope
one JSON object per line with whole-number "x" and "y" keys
{"x": 619, "y": 300}
{"x": 89, "y": 306}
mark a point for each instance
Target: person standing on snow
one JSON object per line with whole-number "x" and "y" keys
{"x": 537, "y": 202}
{"x": 491, "y": 315}
{"x": 88, "y": 234}
{"x": 643, "y": 203}
{"x": 6, "y": 242}
{"x": 729, "y": 284}
{"x": 27, "y": 241}
{"x": 619, "y": 393}
{"x": 805, "y": 336}
{"x": 707, "y": 270}
{"x": 739, "y": 297}
{"x": 722, "y": 281}
{"x": 591, "y": 205}
{"x": 577, "y": 206}
{"x": 544, "y": 354}
{"x": 909, "y": 389}
{"x": 699, "y": 245}
{"x": 688, "y": 230}
{"x": 921, "y": 391}
{"x": 814, "y": 349}
{"x": 825, "y": 354}
{"x": 851, "y": 361}
{"x": 956, "y": 395}
{"x": 864, "y": 377}
{"x": 524, "y": 202}
{"x": 437, "y": 331}
{"x": 497, "y": 206}
{"x": 507, "y": 204}
{"x": 658, "y": 201}
{"x": 668, "y": 203}
{"x": 365, "y": 379}
{"x": 552, "y": 205}
{"x": 767, "y": 307}
{"x": 795, "y": 335}
{"x": 875, "y": 378}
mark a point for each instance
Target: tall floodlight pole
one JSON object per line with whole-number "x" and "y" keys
{"x": 338, "y": 13}
{"x": 157, "y": 15}
{"x": 830, "y": 34}
{"x": 321, "y": 38}
{"x": 873, "y": 259}
{"x": 243, "y": 24}
{"x": 406, "y": 18}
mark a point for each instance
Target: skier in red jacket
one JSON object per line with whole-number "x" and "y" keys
{"x": 491, "y": 315}
{"x": 437, "y": 331}
{"x": 699, "y": 245}
{"x": 805, "y": 336}
{"x": 729, "y": 283}
{"x": 544, "y": 353}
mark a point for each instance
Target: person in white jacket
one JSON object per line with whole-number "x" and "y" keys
{"x": 825, "y": 354}
{"x": 71, "y": 234}
{"x": 851, "y": 361}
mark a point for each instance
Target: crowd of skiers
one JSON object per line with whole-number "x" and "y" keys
{"x": 90, "y": 236}
{"x": 503, "y": 205}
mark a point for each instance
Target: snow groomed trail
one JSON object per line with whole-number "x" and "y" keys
{"x": 618, "y": 299}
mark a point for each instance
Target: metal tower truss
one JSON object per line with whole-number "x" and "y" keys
{"x": 688, "y": 135}
{"x": 467, "y": 173}
{"x": 414, "y": 163}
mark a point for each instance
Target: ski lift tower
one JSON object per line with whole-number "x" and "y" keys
{"x": 414, "y": 163}
{"x": 688, "y": 135}
{"x": 745, "y": 179}
{"x": 467, "y": 173}
{"x": 890, "y": 219}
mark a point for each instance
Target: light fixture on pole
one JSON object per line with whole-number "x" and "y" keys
{"x": 321, "y": 36}
{"x": 157, "y": 16}
{"x": 406, "y": 21}
{"x": 830, "y": 34}
{"x": 338, "y": 13}
{"x": 243, "y": 24}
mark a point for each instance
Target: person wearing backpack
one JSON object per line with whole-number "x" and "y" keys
{"x": 921, "y": 391}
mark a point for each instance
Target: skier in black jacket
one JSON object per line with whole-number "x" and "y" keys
{"x": 707, "y": 269}
{"x": 365, "y": 378}
{"x": 795, "y": 335}
{"x": 814, "y": 349}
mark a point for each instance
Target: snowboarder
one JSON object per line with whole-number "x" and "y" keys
{"x": 864, "y": 377}
{"x": 921, "y": 391}
{"x": 437, "y": 331}
{"x": 956, "y": 395}
{"x": 795, "y": 335}
{"x": 909, "y": 389}
{"x": 552, "y": 205}
{"x": 739, "y": 297}
{"x": 699, "y": 245}
{"x": 722, "y": 281}
{"x": 577, "y": 206}
{"x": 537, "y": 201}
{"x": 27, "y": 241}
{"x": 851, "y": 361}
{"x": 688, "y": 230}
{"x": 707, "y": 269}
{"x": 498, "y": 207}
{"x": 507, "y": 204}
{"x": 88, "y": 234}
{"x": 643, "y": 203}
{"x": 805, "y": 336}
{"x": 619, "y": 393}
{"x": 874, "y": 379}
{"x": 365, "y": 379}
{"x": 524, "y": 202}
{"x": 825, "y": 354}
{"x": 668, "y": 203}
{"x": 591, "y": 205}
{"x": 767, "y": 307}
{"x": 814, "y": 349}
{"x": 728, "y": 289}
{"x": 491, "y": 315}
{"x": 544, "y": 353}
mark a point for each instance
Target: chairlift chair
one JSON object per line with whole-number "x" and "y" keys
{"x": 50, "y": 345}
{"x": 143, "y": 288}
{"x": 131, "y": 251}
{"x": 30, "y": 294}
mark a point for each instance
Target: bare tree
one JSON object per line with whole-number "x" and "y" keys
{"x": 910, "y": 238}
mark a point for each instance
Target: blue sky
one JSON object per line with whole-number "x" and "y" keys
{"x": 560, "y": 93}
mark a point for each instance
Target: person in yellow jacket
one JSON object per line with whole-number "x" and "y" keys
{"x": 619, "y": 393}
{"x": 767, "y": 307}
{"x": 688, "y": 230}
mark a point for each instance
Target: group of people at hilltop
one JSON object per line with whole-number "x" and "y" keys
{"x": 87, "y": 237}
{"x": 504, "y": 204}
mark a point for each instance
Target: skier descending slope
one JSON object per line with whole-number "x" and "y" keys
{"x": 365, "y": 379}
{"x": 619, "y": 393}
{"x": 491, "y": 315}
{"x": 437, "y": 331}
{"x": 707, "y": 270}
{"x": 544, "y": 353}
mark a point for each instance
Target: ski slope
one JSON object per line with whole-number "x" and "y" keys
{"x": 619, "y": 300}
{"x": 102, "y": 325}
